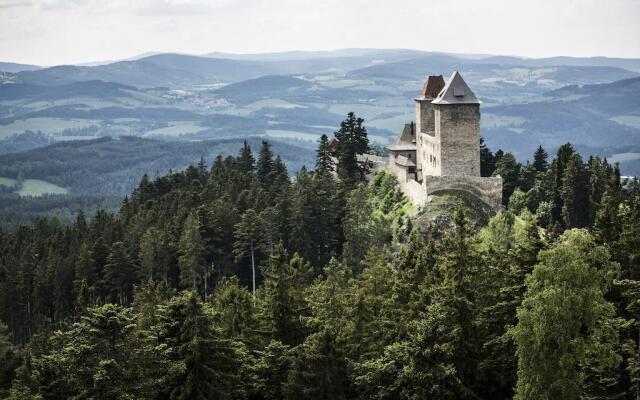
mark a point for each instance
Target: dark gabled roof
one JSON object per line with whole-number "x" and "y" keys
{"x": 432, "y": 86}
{"x": 405, "y": 161}
{"x": 406, "y": 140}
{"x": 456, "y": 91}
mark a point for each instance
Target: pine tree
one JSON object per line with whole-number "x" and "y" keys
{"x": 120, "y": 274}
{"x": 352, "y": 140}
{"x": 455, "y": 299}
{"x": 324, "y": 161}
{"x": 509, "y": 169}
{"x": 540, "y": 157}
{"x": 191, "y": 260}
{"x": 374, "y": 322}
{"x": 558, "y": 167}
{"x": 319, "y": 370}
{"x": 246, "y": 161}
{"x": 599, "y": 173}
{"x": 248, "y": 241}
{"x": 283, "y": 301}
{"x": 149, "y": 252}
{"x": 271, "y": 370}
{"x": 9, "y": 361}
{"x": 265, "y": 165}
{"x": 95, "y": 358}
{"x": 359, "y": 226}
{"x": 574, "y": 193}
{"x": 203, "y": 365}
{"x": 487, "y": 159}
{"x": 608, "y": 225}
{"x": 233, "y": 309}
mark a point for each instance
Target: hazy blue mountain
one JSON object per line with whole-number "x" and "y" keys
{"x": 477, "y": 71}
{"x": 95, "y": 88}
{"x": 297, "y": 96}
{"x": 602, "y": 119}
{"x": 172, "y": 70}
{"x": 392, "y": 54}
{"x": 14, "y": 67}
{"x": 631, "y": 64}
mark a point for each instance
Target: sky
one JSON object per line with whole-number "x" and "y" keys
{"x": 52, "y": 32}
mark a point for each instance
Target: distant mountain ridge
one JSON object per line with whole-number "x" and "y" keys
{"x": 179, "y": 70}
{"x": 15, "y": 67}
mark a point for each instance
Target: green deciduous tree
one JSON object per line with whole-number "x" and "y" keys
{"x": 563, "y": 318}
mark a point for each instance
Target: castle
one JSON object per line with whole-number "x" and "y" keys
{"x": 441, "y": 151}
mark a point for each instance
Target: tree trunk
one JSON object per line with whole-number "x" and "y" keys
{"x": 253, "y": 271}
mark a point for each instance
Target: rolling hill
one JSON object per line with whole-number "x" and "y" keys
{"x": 15, "y": 67}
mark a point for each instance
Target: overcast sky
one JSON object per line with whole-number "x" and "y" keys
{"x": 72, "y": 31}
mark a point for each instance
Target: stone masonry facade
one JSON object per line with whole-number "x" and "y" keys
{"x": 442, "y": 150}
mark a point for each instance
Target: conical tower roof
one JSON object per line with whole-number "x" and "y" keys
{"x": 456, "y": 91}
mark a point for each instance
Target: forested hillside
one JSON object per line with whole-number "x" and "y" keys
{"x": 98, "y": 173}
{"x": 233, "y": 281}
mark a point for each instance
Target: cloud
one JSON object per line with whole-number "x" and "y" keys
{"x": 5, "y": 4}
{"x": 59, "y": 31}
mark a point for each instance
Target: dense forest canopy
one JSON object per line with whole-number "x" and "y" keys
{"x": 233, "y": 281}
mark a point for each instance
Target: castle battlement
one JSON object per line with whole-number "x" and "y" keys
{"x": 441, "y": 151}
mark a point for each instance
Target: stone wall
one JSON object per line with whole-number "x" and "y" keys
{"x": 488, "y": 190}
{"x": 458, "y": 130}
{"x": 425, "y": 128}
{"x": 429, "y": 153}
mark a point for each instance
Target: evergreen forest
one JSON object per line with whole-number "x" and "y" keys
{"x": 234, "y": 279}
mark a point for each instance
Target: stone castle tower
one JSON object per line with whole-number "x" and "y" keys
{"x": 448, "y": 128}
{"x": 442, "y": 150}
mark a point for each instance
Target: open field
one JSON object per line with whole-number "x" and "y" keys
{"x": 46, "y": 125}
{"x": 628, "y": 120}
{"x": 37, "y": 187}
{"x": 8, "y": 182}
{"x": 179, "y": 128}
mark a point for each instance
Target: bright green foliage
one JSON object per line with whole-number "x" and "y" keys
{"x": 517, "y": 201}
{"x": 565, "y": 320}
{"x": 511, "y": 244}
{"x": 509, "y": 169}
